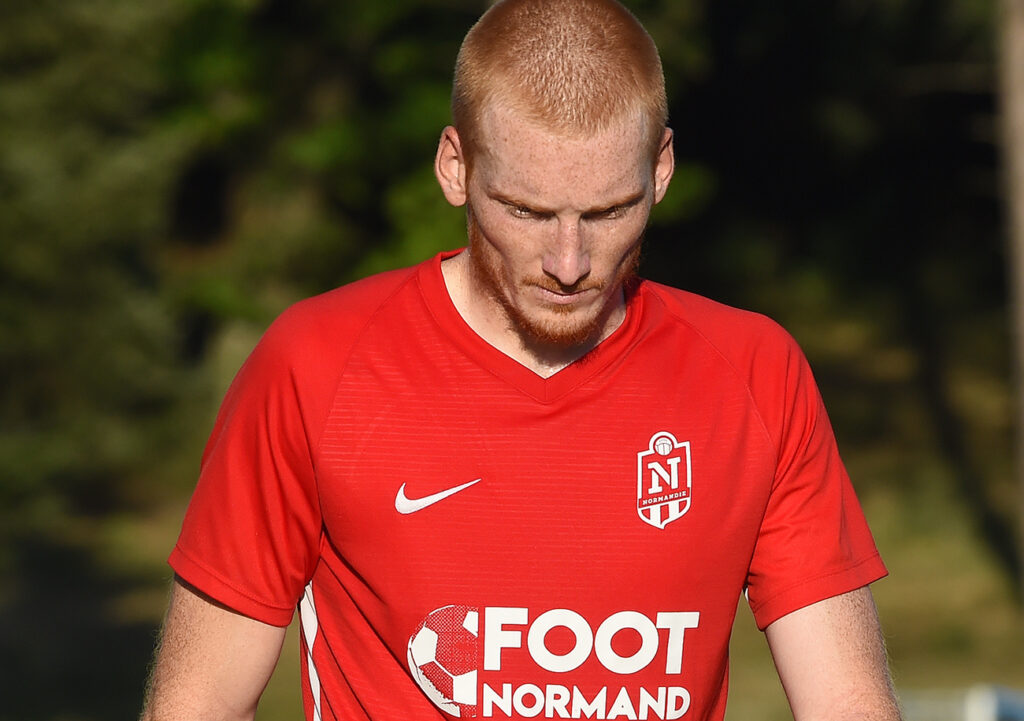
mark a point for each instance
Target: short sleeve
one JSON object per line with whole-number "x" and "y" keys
{"x": 251, "y": 533}
{"x": 814, "y": 542}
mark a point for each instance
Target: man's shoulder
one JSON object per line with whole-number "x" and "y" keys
{"x": 342, "y": 311}
{"x": 748, "y": 347}
{"x": 732, "y": 331}
{"x": 348, "y": 305}
{"x": 320, "y": 330}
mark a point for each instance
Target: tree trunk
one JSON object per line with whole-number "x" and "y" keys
{"x": 1011, "y": 28}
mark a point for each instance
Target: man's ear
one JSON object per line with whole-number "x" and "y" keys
{"x": 664, "y": 165}
{"x": 450, "y": 167}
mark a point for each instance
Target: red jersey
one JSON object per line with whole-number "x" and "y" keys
{"x": 464, "y": 537}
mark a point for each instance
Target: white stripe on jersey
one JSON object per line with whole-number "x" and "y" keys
{"x": 310, "y": 624}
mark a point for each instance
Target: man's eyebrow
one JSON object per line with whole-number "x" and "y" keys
{"x": 628, "y": 202}
{"x": 509, "y": 199}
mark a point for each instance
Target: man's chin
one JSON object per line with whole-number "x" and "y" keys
{"x": 561, "y": 328}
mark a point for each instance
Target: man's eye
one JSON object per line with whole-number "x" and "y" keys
{"x": 521, "y": 211}
{"x": 609, "y": 214}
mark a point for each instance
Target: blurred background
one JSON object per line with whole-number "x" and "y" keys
{"x": 174, "y": 173}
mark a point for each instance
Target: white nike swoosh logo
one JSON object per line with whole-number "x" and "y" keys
{"x": 406, "y": 505}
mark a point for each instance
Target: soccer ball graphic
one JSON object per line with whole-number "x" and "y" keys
{"x": 663, "y": 446}
{"x": 443, "y": 656}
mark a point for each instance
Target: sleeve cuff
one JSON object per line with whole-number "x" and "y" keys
{"x": 817, "y": 589}
{"x": 219, "y": 589}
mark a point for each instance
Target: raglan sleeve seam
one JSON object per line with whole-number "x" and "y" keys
{"x": 740, "y": 377}
{"x": 315, "y": 442}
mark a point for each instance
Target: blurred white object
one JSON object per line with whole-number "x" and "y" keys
{"x": 978, "y": 703}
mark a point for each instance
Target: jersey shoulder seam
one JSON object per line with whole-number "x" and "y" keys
{"x": 658, "y": 294}
{"x": 357, "y": 334}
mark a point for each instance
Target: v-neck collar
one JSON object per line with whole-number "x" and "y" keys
{"x": 511, "y": 371}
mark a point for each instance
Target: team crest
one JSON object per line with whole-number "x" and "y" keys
{"x": 663, "y": 480}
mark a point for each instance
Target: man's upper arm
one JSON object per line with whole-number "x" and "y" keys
{"x": 832, "y": 662}
{"x": 212, "y": 663}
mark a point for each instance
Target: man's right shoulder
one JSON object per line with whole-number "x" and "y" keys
{"x": 348, "y": 305}
{"x": 324, "y": 327}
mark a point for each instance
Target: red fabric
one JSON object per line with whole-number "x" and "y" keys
{"x": 354, "y": 393}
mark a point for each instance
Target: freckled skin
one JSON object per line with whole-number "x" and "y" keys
{"x": 555, "y": 225}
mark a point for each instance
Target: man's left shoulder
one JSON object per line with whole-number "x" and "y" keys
{"x": 750, "y": 347}
{"x": 733, "y": 331}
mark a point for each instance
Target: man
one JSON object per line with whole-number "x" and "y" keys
{"x": 516, "y": 481}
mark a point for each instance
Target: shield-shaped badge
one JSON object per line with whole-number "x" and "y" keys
{"x": 663, "y": 480}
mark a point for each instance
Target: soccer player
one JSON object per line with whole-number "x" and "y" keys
{"x": 516, "y": 480}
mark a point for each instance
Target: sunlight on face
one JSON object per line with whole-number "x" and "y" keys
{"x": 555, "y": 226}
{"x": 547, "y": 321}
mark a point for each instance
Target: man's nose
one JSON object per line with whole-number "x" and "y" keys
{"x": 567, "y": 261}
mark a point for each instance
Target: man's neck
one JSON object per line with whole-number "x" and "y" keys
{"x": 487, "y": 318}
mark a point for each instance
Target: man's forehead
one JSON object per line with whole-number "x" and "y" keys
{"x": 502, "y": 117}
{"x": 521, "y": 155}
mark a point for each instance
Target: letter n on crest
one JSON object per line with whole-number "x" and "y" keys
{"x": 663, "y": 480}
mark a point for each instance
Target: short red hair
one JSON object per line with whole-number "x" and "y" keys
{"x": 574, "y": 66}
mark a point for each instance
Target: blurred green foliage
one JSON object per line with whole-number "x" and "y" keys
{"x": 174, "y": 173}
